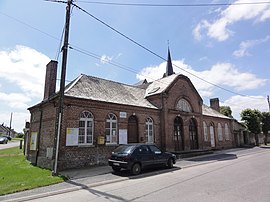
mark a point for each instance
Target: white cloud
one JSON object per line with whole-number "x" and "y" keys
{"x": 22, "y": 75}
{"x": 24, "y": 67}
{"x": 218, "y": 29}
{"x": 238, "y": 103}
{"x": 105, "y": 59}
{"x": 245, "y": 45}
{"x": 15, "y": 100}
{"x": 222, "y": 74}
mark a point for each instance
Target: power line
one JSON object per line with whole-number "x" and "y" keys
{"x": 51, "y": 36}
{"x": 152, "y": 52}
{"x": 174, "y": 5}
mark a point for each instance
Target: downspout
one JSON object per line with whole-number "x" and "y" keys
{"x": 39, "y": 134}
{"x": 162, "y": 119}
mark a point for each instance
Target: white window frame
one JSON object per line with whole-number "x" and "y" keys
{"x": 86, "y": 117}
{"x": 183, "y": 105}
{"x": 149, "y": 132}
{"x": 220, "y": 135}
{"x": 111, "y": 132}
{"x": 227, "y": 132}
{"x": 205, "y": 131}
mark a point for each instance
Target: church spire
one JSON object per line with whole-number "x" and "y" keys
{"x": 169, "y": 67}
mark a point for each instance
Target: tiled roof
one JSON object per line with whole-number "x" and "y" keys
{"x": 92, "y": 88}
{"x": 208, "y": 111}
{"x": 160, "y": 85}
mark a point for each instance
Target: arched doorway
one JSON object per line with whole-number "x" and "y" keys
{"x": 178, "y": 134}
{"x": 133, "y": 136}
{"x": 193, "y": 135}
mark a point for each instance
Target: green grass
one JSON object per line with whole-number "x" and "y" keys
{"x": 17, "y": 174}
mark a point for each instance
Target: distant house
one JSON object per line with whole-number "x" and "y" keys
{"x": 100, "y": 114}
{"x": 4, "y": 130}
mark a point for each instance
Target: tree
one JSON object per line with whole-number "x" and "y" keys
{"x": 252, "y": 120}
{"x": 226, "y": 110}
{"x": 265, "y": 125}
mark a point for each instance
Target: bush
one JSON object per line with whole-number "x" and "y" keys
{"x": 20, "y": 135}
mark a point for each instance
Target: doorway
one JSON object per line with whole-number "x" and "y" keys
{"x": 193, "y": 135}
{"x": 178, "y": 134}
{"x": 133, "y": 136}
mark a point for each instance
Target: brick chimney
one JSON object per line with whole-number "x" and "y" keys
{"x": 50, "y": 79}
{"x": 214, "y": 104}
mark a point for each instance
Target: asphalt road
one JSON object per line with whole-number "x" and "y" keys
{"x": 10, "y": 144}
{"x": 235, "y": 178}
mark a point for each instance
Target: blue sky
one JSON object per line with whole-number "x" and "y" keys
{"x": 228, "y": 46}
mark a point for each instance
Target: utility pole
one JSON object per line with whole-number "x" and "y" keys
{"x": 268, "y": 102}
{"x": 62, "y": 86}
{"x": 10, "y": 122}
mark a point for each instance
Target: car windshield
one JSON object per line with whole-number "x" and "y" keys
{"x": 124, "y": 149}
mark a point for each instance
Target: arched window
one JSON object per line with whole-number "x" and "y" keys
{"x": 149, "y": 130}
{"x": 212, "y": 135}
{"x": 205, "y": 131}
{"x": 111, "y": 129}
{"x": 183, "y": 105}
{"x": 86, "y": 128}
{"x": 227, "y": 132}
{"x": 220, "y": 137}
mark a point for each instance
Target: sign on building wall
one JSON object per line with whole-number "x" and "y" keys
{"x": 122, "y": 136}
{"x": 123, "y": 115}
{"x": 33, "y": 141}
{"x": 72, "y": 136}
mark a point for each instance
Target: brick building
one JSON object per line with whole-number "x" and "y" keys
{"x": 100, "y": 114}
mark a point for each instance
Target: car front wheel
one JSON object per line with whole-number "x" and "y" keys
{"x": 136, "y": 169}
{"x": 170, "y": 163}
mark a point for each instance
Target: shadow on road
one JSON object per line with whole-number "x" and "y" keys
{"x": 145, "y": 173}
{"x": 219, "y": 157}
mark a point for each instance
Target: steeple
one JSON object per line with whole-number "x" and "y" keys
{"x": 169, "y": 67}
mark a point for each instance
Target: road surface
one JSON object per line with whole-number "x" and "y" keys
{"x": 241, "y": 179}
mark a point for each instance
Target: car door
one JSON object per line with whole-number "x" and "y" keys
{"x": 159, "y": 158}
{"x": 145, "y": 155}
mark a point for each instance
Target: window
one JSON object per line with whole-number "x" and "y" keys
{"x": 183, "y": 105}
{"x": 149, "y": 130}
{"x": 205, "y": 131}
{"x": 227, "y": 132}
{"x": 111, "y": 129}
{"x": 220, "y": 138}
{"x": 86, "y": 128}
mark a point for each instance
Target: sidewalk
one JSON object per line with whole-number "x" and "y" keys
{"x": 95, "y": 176}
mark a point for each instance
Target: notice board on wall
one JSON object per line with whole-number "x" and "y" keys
{"x": 72, "y": 136}
{"x": 122, "y": 136}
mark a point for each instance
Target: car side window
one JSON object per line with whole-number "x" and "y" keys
{"x": 155, "y": 149}
{"x": 143, "y": 149}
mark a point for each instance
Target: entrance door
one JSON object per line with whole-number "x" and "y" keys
{"x": 133, "y": 136}
{"x": 193, "y": 135}
{"x": 212, "y": 135}
{"x": 178, "y": 134}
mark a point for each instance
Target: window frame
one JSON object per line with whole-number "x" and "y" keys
{"x": 227, "y": 131}
{"x": 205, "y": 132}
{"x": 111, "y": 119}
{"x": 86, "y": 117}
{"x": 220, "y": 132}
{"x": 149, "y": 122}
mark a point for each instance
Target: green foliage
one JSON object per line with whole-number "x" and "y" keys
{"x": 226, "y": 110}
{"x": 252, "y": 120}
{"x": 265, "y": 122}
{"x": 19, "y": 135}
{"x": 17, "y": 174}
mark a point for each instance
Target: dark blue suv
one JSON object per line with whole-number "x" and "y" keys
{"x": 135, "y": 157}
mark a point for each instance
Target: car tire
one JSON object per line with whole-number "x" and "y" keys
{"x": 136, "y": 169}
{"x": 116, "y": 169}
{"x": 170, "y": 163}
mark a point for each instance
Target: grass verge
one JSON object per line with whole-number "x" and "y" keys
{"x": 17, "y": 174}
